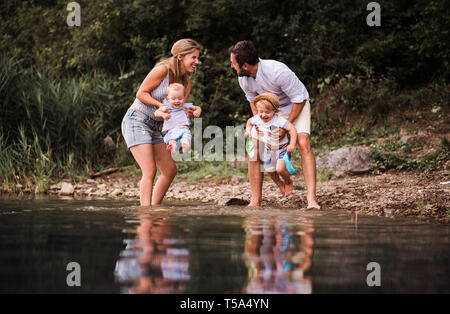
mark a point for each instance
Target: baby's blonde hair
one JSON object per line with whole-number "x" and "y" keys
{"x": 175, "y": 87}
{"x": 269, "y": 101}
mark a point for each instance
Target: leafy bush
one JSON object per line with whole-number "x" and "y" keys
{"x": 394, "y": 154}
{"x": 64, "y": 89}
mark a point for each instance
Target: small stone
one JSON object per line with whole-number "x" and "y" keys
{"x": 406, "y": 138}
{"x": 108, "y": 142}
{"x": 116, "y": 192}
{"x": 436, "y": 109}
{"x": 233, "y": 202}
{"x": 100, "y": 193}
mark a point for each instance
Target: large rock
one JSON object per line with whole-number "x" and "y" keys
{"x": 346, "y": 161}
{"x": 66, "y": 189}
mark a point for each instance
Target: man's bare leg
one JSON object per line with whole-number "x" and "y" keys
{"x": 256, "y": 182}
{"x": 309, "y": 169}
{"x": 255, "y": 175}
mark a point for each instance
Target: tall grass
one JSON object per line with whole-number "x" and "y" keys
{"x": 52, "y": 126}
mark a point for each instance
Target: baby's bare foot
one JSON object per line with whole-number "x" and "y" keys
{"x": 282, "y": 187}
{"x": 288, "y": 188}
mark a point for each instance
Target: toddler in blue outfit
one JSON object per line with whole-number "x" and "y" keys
{"x": 176, "y": 122}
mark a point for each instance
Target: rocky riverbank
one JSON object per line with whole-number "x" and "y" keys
{"x": 391, "y": 194}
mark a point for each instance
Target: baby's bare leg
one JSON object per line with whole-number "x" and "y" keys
{"x": 185, "y": 144}
{"x": 276, "y": 178}
{"x": 172, "y": 146}
{"x": 284, "y": 173}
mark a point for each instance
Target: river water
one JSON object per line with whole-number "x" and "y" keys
{"x": 188, "y": 248}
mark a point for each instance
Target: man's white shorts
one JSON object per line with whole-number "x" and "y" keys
{"x": 303, "y": 122}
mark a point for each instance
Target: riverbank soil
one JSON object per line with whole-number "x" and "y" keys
{"x": 388, "y": 194}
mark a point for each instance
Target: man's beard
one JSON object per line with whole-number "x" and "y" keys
{"x": 244, "y": 73}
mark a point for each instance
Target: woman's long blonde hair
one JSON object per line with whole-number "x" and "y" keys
{"x": 180, "y": 48}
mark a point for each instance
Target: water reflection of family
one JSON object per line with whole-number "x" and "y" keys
{"x": 277, "y": 254}
{"x": 157, "y": 260}
{"x": 141, "y": 128}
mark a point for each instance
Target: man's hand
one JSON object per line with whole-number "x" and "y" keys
{"x": 277, "y": 134}
{"x": 189, "y": 112}
{"x": 290, "y": 148}
{"x": 259, "y": 132}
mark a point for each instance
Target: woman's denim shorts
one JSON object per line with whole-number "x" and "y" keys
{"x": 138, "y": 128}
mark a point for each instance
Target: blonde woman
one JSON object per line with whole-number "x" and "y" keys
{"x": 142, "y": 130}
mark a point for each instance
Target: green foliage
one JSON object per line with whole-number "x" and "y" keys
{"x": 49, "y": 127}
{"x": 219, "y": 169}
{"x": 432, "y": 161}
{"x": 394, "y": 154}
{"x": 64, "y": 89}
{"x": 315, "y": 38}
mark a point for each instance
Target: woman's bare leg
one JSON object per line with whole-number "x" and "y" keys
{"x": 166, "y": 166}
{"x": 143, "y": 154}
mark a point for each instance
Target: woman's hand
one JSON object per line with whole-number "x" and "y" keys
{"x": 197, "y": 111}
{"x": 162, "y": 112}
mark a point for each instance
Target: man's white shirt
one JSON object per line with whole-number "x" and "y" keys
{"x": 275, "y": 77}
